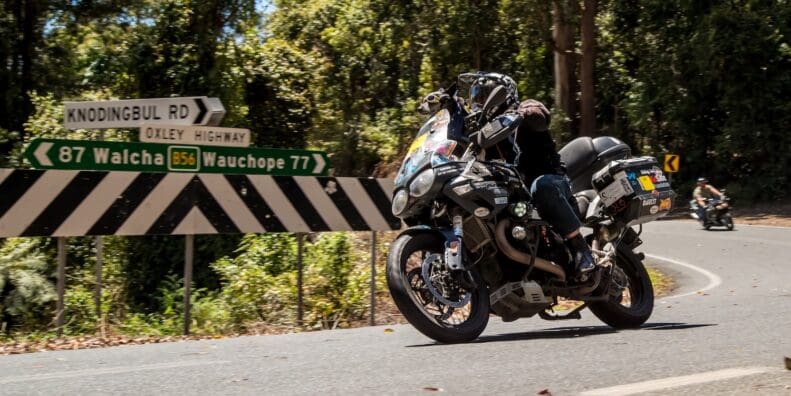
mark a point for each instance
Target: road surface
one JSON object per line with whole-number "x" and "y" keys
{"x": 726, "y": 329}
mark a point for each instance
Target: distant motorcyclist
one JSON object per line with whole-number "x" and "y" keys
{"x": 534, "y": 153}
{"x": 702, "y": 193}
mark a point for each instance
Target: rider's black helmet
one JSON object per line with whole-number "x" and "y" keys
{"x": 481, "y": 85}
{"x": 702, "y": 180}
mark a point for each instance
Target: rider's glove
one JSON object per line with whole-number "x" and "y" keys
{"x": 535, "y": 114}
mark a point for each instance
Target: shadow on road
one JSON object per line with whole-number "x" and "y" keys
{"x": 571, "y": 332}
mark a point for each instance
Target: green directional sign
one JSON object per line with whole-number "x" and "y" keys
{"x": 149, "y": 157}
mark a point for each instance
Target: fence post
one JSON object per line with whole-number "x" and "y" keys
{"x": 372, "y": 318}
{"x": 99, "y": 242}
{"x": 97, "y": 293}
{"x": 59, "y": 308}
{"x": 300, "y": 307}
{"x": 189, "y": 244}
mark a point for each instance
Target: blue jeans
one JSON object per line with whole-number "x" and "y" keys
{"x": 551, "y": 195}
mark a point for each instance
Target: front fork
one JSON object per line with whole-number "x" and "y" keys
{"x": 454, "y": 253}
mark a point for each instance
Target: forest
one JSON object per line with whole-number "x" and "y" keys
{"x": 707, "y": 80}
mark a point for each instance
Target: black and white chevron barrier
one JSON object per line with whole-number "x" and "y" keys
{"x": 80, "y": 203}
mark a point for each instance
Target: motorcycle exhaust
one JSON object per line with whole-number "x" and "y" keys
{"x": 519, "y": 256}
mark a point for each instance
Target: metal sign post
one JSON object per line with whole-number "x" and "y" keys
{"x": 197, "y": 110}
{"x": 189, "y": 246}
{"x": 372, "y": 319}
{"x": 99, "y": 242}
{"x": 300, "y": 307}
{"x": 61, "y": 287}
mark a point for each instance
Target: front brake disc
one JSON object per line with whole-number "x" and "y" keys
{"x": 435, "y": 259}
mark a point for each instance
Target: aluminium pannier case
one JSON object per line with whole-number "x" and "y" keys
{"x": 634, "y": 190}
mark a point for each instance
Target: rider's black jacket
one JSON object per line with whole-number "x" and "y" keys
{"x": 534, "y": 149}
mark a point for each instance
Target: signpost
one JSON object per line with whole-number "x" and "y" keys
{"x": 150, "y": 157}
{"x": 197, "y": 110}
{"x": 195, "y": 135}
{"x": 671, "y": 163}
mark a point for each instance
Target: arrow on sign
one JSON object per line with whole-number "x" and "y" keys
{"x": 320, "y": 163}
{"x": 41, "y": 154}
{"x": 671, "y": 163}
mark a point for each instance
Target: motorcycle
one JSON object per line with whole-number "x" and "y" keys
{"x": 476, "y": 246}
{"x": 718, "y": 212}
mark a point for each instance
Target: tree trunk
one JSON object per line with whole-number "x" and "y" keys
{"x": 564, "y": 32}
{"x": 588, "y": 102}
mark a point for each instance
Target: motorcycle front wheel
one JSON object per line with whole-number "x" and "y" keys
{"x": 728, "y": 220}
{"x": 428, "y": 296}
{"x": 634, "y": 305}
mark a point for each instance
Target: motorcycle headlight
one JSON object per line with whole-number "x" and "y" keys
{"x": 399, "y": 202}
{"x": 422, "y": 183}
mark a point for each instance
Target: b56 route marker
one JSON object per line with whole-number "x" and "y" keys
{"x": 195, "y": 135}
{"x": 196, "y": 110}
{"x": 150, "y": 157}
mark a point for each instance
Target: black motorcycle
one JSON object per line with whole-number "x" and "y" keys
{"x": 476, "y": 246}
{"x": 718, "y": 212}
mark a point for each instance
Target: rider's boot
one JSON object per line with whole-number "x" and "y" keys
{"x": 583, "y": 257}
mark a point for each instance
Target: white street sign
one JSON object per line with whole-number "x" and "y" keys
{"x": 197, "y": 135}
{"x": 196, "y": 110}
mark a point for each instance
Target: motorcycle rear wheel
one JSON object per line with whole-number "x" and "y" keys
{"x": 404, "y": 281}
{"x": 639, "y": 296}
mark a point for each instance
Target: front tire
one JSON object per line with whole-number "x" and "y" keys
{"x": 411, "y": 301}
{"x": 728, "y": 221}
{"x": 640, "y": 296}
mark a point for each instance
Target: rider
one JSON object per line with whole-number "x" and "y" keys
{"x": 535, "y": 155}
{"x": 702, "y": 193}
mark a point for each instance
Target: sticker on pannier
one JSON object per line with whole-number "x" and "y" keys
{"x": 619, "y": 188}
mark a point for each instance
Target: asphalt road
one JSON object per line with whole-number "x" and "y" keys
{"x": 725, "y": 330}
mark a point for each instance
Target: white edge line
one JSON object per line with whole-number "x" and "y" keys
{"x": 714, "y": 279}
{"x": 675, "y": 382}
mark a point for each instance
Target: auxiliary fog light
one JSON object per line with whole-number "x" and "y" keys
{"x": 399, "y": 202}
{"x": 519, "y": 233}
{"x": 519, "y": 209}
{"x": 422, "y": 183}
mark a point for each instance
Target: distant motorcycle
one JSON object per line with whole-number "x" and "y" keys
{"x": 718, "y": 212}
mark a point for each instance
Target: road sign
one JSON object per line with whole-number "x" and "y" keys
{"x": 150, "y": 157}
{"x": 74, "y": 203}
{"x": 671, "y": 163}
{"x": 195, "y": 135}
{"x": 196, "y": 110}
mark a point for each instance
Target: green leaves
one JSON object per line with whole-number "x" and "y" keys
{"x": 25, "y": 289}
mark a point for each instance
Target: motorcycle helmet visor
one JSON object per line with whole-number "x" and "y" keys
{"x": 479, "y": 92}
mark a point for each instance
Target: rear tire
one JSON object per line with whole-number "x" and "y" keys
{"x": 641, "y": 292}
{"x": 411, "y": 307}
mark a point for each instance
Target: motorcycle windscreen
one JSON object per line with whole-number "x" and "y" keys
{"x": 430, "y": 147}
